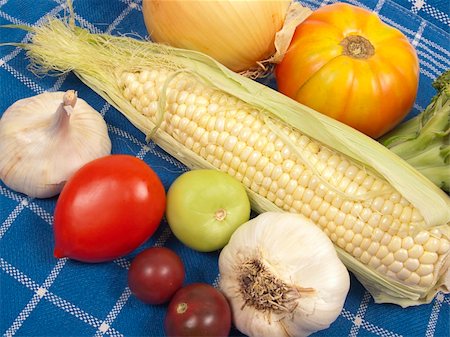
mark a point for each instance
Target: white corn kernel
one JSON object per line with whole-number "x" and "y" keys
{"x": 373, "y": 247}
{"x": 401, "y": 255}
{"x": 357, "y": 252}
{"x": 365, "y": 257}
{"x": 262, "y": 163}
{"x": 412, "y": 264}
{"x": 388, "y": 259}
{"x": 395, "y": 244}
{"x": 382, "y": 252}
{"x": 413, "y": 279}
{"x": 395, "y": 266}
{"x": 357, "y": 239}
{"x": 422, "y": 237}
{"x": 374, "y": 262}
{"x": 432, "y": 244}
{"x": 428, "y": 257}
{"x": 426, "y": 281}
{"x": 415, "y": 251}
{"x": 424, "y": 269}
{"x": 365, "y": 244}
{"x": 407, "y": 242}
{"x": 444, "y": 246}
{"x": 349, "y": 247}
{"x": 403, "y": 274}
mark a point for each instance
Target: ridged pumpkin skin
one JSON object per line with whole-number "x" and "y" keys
{"x": 346, "y": 63}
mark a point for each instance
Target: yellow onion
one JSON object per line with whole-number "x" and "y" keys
{"x": 238, "y": 34}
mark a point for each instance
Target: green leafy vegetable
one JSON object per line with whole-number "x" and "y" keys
{"x": 424, "y": 141}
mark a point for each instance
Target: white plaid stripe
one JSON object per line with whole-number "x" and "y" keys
{"x": 417, "y": 6}
{"x": 59, "y": 82}
{"x": 49, "y": 296}
{"x": 18, "y": 275}
{"x": 124, "y": 263}
{"x": 10, "y": 219}
{"x": 23, "y": 79}
{"x": 151, "y": 147}
{"x": 379, "y": 5}
{"x": 367, "y": 325}
{"x": 23, "y": 315}
{"x": 42, "y": 213}
{"x": 78, "y": 313}
{"x": 358, "y": 319}
{"x": 378, "y": 330}
{"x": 437, "y": 14}
{"x": 165, "y": 235}
{"x": 121, "y": 16}
{"x": 419, "y": 33}
{"x": 12, "y": 19}
{"x": 106, "y": 324}
{"x": 434, "y": 315}
{"x": 40, "y": 293}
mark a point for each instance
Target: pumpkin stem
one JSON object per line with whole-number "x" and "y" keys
{"x": 357, "y": 47}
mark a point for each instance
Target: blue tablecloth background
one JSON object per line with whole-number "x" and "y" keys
{"x": 43, "y": 296}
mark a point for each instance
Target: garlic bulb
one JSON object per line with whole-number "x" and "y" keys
{"x": 282, "y": 277}
{"x": 238, "y": 34}
{"x": 44, "y": 139}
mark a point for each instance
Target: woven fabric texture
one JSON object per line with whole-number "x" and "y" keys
{"x": 43, "y": 296}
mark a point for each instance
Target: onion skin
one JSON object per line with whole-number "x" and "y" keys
{"x": 238, "y": 34}
{"x": 373, "y": 91}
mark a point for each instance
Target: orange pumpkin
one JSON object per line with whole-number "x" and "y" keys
{"x": 343, "y": 61}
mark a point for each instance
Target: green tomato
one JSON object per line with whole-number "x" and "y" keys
{"x": 204, "y": 207}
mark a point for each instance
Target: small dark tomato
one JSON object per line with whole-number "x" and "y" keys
{"x": 155, "y": 274}
{"x": 198, "y": 309}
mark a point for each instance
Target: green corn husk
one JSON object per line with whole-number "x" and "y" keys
{"x": 99, "y": 59}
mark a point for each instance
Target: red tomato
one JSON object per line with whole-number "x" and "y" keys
{"x": 155, "y": 275}
{"x": 198, "y": 310}
{"x": 108, "y": 208}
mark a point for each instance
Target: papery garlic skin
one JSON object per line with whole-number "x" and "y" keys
{"x": 44, "y": 139}
{"x": 296, "y": 252}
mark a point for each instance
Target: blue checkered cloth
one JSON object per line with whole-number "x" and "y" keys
{"x": 43, "y": 296}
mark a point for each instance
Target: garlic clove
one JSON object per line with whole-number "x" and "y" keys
{"x": 44, "y": 139}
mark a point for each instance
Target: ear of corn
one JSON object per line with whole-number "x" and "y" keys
{"x": 389, "y": 224}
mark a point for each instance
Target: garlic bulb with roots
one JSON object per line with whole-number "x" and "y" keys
{"x": 44, "y": 139}
{"x": 282, "y": 277}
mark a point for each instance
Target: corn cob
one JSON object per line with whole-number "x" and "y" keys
{"x": 298, "y": 161}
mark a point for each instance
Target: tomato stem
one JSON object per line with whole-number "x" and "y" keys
{"x": 182, "y": 307}
{"x": 357, "y": 47}
{"x": 220, "y": 214}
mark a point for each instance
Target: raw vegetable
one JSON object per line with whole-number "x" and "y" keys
{"x": 282, "y": 277}
{"x": 389, "y": 224}
{"x": 204, "y": 207}
{"x": 424, "y": 141}
{"x": 44, "y": 139}
{"x": 155, "y": 275}
{"x": 239, "y": 34}
{"x": 345, "y": 62}
{"x": 198, "y": 310}
{"x": 108, "y": 208}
